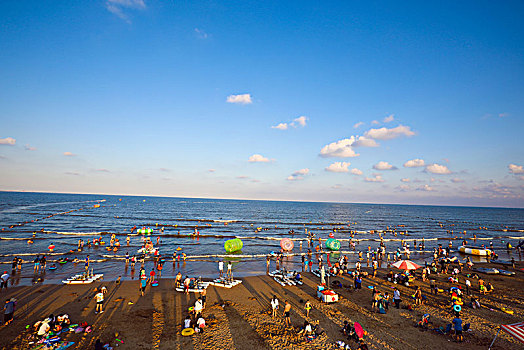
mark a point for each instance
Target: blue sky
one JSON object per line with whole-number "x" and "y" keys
{"x": 175, "y": 99}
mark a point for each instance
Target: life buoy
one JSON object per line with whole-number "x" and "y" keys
{"x": 187, "y": 332}
{"x": 457, "y": 308}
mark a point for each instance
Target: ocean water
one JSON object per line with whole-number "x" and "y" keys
{"x": 63, "y": 219}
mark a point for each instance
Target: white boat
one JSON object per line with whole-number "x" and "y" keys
{"x": 82, "y": 279}
{"x": 474, "y": 250}
{"x": 222, "y": 282}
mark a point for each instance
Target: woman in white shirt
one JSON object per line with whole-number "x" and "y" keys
{"x": 274, "y": 306}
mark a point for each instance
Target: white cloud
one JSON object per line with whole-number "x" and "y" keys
{"x": 118, "y": 7}
{"x": 377, "y": 178}
{"x": 388, "y": 134}
{"x": 384, "y": 166}
{"x": 8, "y": 141}
{"x": 69, "y": 154}
{"x": 258, "y": 158}
{"x": 300, "y": 121}
{"x": 356, "y": 171}
{"x": 242, "y": 177}
{"x": 281, "y": 126}
{"x": 201, "y": 34}
{"x": 404, "y": 188}
{"x": 358, "y": 125}
{"x": 516, "y": 169}
{"x": 243, "y": 99}
{"x": 298, "y": 175}
{"x": 165, "y": 170}
{"x": 456, "y": 180}
{"x": 74, "y": 173}
{"x": 414, "y": 163}
{"x": 340, "y": 149}
{"x": 426, "y": 188}
{"x": 103, "y": 170}
{"x": 375, "y": 122}
{"x": 503, "y": 115}
{"x": 339, "y": 167}
{"x": 29, "y": 148}
{"x": 405, "y": 180}
{"x": 437, "y": 169}
{"x": 211, "y": 170}
{"x": 363, "y": 141}
{"x": 389, "y": 118}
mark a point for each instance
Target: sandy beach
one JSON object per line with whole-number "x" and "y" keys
{"x": 240, "y": 318}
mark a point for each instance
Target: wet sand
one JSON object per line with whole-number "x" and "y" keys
{"x": 240, "y": 318}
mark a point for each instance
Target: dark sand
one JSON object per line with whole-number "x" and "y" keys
{"x": 239, "y": 318}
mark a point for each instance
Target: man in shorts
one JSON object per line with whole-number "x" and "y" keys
{"x": 143, "y": 284}
{"x": 99, "y": 296}
{"x": 9, "y": 310}
{"x": 287, "y": 310}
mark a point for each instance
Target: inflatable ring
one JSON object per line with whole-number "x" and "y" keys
{"x": 187, "y": 332}
{"x": 191, "y": 308}
{"x": 154, "y": 284}
{"x": 457, "y": 308}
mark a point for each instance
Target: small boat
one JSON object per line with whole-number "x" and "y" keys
{"x": 83, "y": 279}
{"x": 474, "y": 250}
{"x": 506, "y": 273}
{"x": 501, "y": 262}
{"x": 489, "y": 271}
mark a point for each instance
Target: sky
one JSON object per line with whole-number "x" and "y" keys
{"x": 340, "y": 101}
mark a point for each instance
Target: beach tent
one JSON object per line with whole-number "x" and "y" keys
{"x": 406, "y": 265}
{"x": 515, "y": 329}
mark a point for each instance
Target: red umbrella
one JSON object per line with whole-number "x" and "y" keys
{"x": 406, "y": 265}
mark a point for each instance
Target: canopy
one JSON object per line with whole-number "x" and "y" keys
{"x": 406, "y": 265}
{"x": 516, "y": 330}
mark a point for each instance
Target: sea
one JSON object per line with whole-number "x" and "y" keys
{"x": 32, "y": 222}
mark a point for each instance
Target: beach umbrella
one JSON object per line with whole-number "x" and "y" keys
{"x": 406, "y": 265}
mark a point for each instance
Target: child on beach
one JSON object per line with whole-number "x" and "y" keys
{"x": 307, "y": 306}
{"x": 274, "y": 306}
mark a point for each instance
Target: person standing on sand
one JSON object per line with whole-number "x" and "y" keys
{"x": 143, "y": 284}
{"x": 178, "y": 279}
{"x": 152, "y": 275}
{"x": 99, "y": 296}
{"x": 396, "y": 298}
{"x": 274, "y": 306}
{"x": 203, "y": 296}
{"x": 268, "y": 261}
{"x": 307, "y": 306}
{"x": 287, "y": 310}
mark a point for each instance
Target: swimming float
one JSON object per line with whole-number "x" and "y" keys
{"x": 154, "y": 284}
{"x": 186, "y": 332}
{"x": 233, "y": 245}
{"x": 51, "y": 247}
{"x": 287, "y": 244}
{"x": 507, "y": 311}
{"x": 333, "y": 244}
{"x": 474, "y": 250}
{"x": 457, "y": 308}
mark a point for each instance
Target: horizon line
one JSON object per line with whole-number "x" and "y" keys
{"x": 262, "y": 200}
